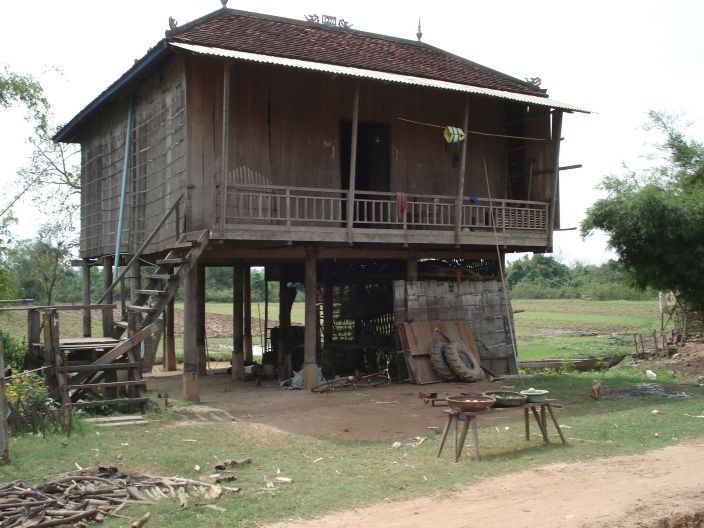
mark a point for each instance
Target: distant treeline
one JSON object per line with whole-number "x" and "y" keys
{"x": 543, "y": 277}
{"x": 537, "y": 277}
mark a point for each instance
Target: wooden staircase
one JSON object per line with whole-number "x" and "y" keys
{"x": 93, "y": 372}
{"x": 159, "y": 290}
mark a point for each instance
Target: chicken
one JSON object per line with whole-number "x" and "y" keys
{"x": 596, "y": 389}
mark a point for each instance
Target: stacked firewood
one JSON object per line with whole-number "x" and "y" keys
{"x": 92, "y": 495}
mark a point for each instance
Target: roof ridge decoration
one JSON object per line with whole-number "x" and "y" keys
{"x": 328, "y": 20}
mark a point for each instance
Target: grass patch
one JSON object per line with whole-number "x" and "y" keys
{"x": 353, "y": 473}
{"x": 564, "y": 328}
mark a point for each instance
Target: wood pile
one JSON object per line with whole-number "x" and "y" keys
{"x": 93, "y": 495}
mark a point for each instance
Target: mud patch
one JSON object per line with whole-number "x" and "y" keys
{"x": 646, "y": 389}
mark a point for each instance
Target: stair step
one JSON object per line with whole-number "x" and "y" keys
{"x": 163, "y": 276}
{"x": 150, "y": 292}
{"x": 106, "y": 384}
{"x": 143, "y": 309}
{"x": 101, "y": 366}
{"x": 120, "y": 324}
{"x": 172, "y": 261}
{"x": 98, "y": 403}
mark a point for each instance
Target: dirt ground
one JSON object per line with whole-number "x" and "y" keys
{"x": 661, "y": 489}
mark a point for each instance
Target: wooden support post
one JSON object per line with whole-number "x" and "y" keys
{"x": 200, "y": 323}
{"x": 169, "y": 340}
{"x": 327, "y": 304}
{"x": 353, "y": 165}
{"x": 85, "y": 290}
{"x": 190, "y": 324}
{"x": 556, "y": 133}
{"x": 310, "y": 364}
{"x": 34, "y": 335}
{"x": 237, "y": 362}
{"x": 412, "y": 269}
{"x": 4, "y": 450}
{"x": 247, "y": 300}
{"x": 108, "y": 299}
{"x": 460, "y": 179}
{"x": 265, "y": 337}
{"x": 286, "y": 298}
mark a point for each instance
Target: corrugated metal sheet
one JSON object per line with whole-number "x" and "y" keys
{"x": 376, "y": 75}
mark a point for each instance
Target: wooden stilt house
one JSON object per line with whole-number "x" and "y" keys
{"x": 331, "y": 157}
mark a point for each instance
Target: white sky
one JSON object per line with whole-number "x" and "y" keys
{"x": 618, "y": 58}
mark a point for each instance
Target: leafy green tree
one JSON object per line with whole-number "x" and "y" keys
{"x": 41, "y": 265}
{"x": 655, "y": 219}
{"x": 539, "y": 269}
{"x": 26, "y": 90}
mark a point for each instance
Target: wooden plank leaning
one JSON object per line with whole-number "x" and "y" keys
{"x": 119, "y": 350}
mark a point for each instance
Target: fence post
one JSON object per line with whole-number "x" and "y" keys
{"x": 4, "y": 450}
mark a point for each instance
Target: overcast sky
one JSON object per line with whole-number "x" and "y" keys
{"x": 617, "y": 58}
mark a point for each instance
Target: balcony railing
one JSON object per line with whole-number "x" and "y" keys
{"x": 303, "y": 206}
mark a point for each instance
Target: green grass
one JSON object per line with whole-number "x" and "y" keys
{"x": 548, "y": 328}
{"x": 352, "y": 473}
{"x": 573, "y": 327}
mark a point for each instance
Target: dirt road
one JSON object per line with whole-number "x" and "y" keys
{"x": 660, "y": 489}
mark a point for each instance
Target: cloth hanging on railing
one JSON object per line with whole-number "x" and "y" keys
{"x": 401, "y": 204}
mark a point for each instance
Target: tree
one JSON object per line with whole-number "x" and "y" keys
{"x": 655, "y": 219}
{"x": 24, "y": 89}
{"x": 41, "y": 264}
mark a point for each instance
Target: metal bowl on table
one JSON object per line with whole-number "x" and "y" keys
{"x": 535, "y": 395}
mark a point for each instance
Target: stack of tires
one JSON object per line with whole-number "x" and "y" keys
{"x": 454, "y": 361}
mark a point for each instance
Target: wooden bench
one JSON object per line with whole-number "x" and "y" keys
{"x": 540, "y": 410}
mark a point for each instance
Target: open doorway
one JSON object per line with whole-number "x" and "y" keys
{"x": 373, "y": 156}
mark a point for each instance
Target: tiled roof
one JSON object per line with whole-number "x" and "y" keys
{"x": 241, "y": 31}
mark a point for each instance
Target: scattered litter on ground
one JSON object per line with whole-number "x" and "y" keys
{"x": 650, "y": 374}
{"x": 396, "y": 445}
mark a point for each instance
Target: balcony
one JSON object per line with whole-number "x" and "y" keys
{"x": 272, "y": 212}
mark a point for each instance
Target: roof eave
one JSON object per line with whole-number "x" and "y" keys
{"x": 68, "y": 133}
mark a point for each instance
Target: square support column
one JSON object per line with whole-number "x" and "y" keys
{"x": 190, "y": 331}
{"x": 237, "y": 362}
{"x": 169, "y": 340}
{"x": 107, "y": 281}
{"x": 247, "y": 300}
{"x": 310, "y": 364}
{"x": 85, "y": 285}
{"x": 200, "y": 321}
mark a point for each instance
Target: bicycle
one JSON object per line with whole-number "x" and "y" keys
{"x": 373, "y": 379}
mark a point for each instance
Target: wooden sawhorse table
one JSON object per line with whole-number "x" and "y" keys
{"x": 469, "y": 420}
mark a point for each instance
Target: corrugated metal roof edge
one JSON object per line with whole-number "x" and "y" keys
{"x": 376, "y": 75}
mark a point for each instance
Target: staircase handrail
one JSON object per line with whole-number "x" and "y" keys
{"x": 141, "y": 249}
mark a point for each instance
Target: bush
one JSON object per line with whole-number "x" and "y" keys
{"x": 14, "y": 352}
{"x": 26, "y": 392}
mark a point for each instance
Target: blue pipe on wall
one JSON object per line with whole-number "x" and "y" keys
{"x": 123, "y": 188}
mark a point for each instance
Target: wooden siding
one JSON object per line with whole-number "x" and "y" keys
{"x": 157, "y": 166}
